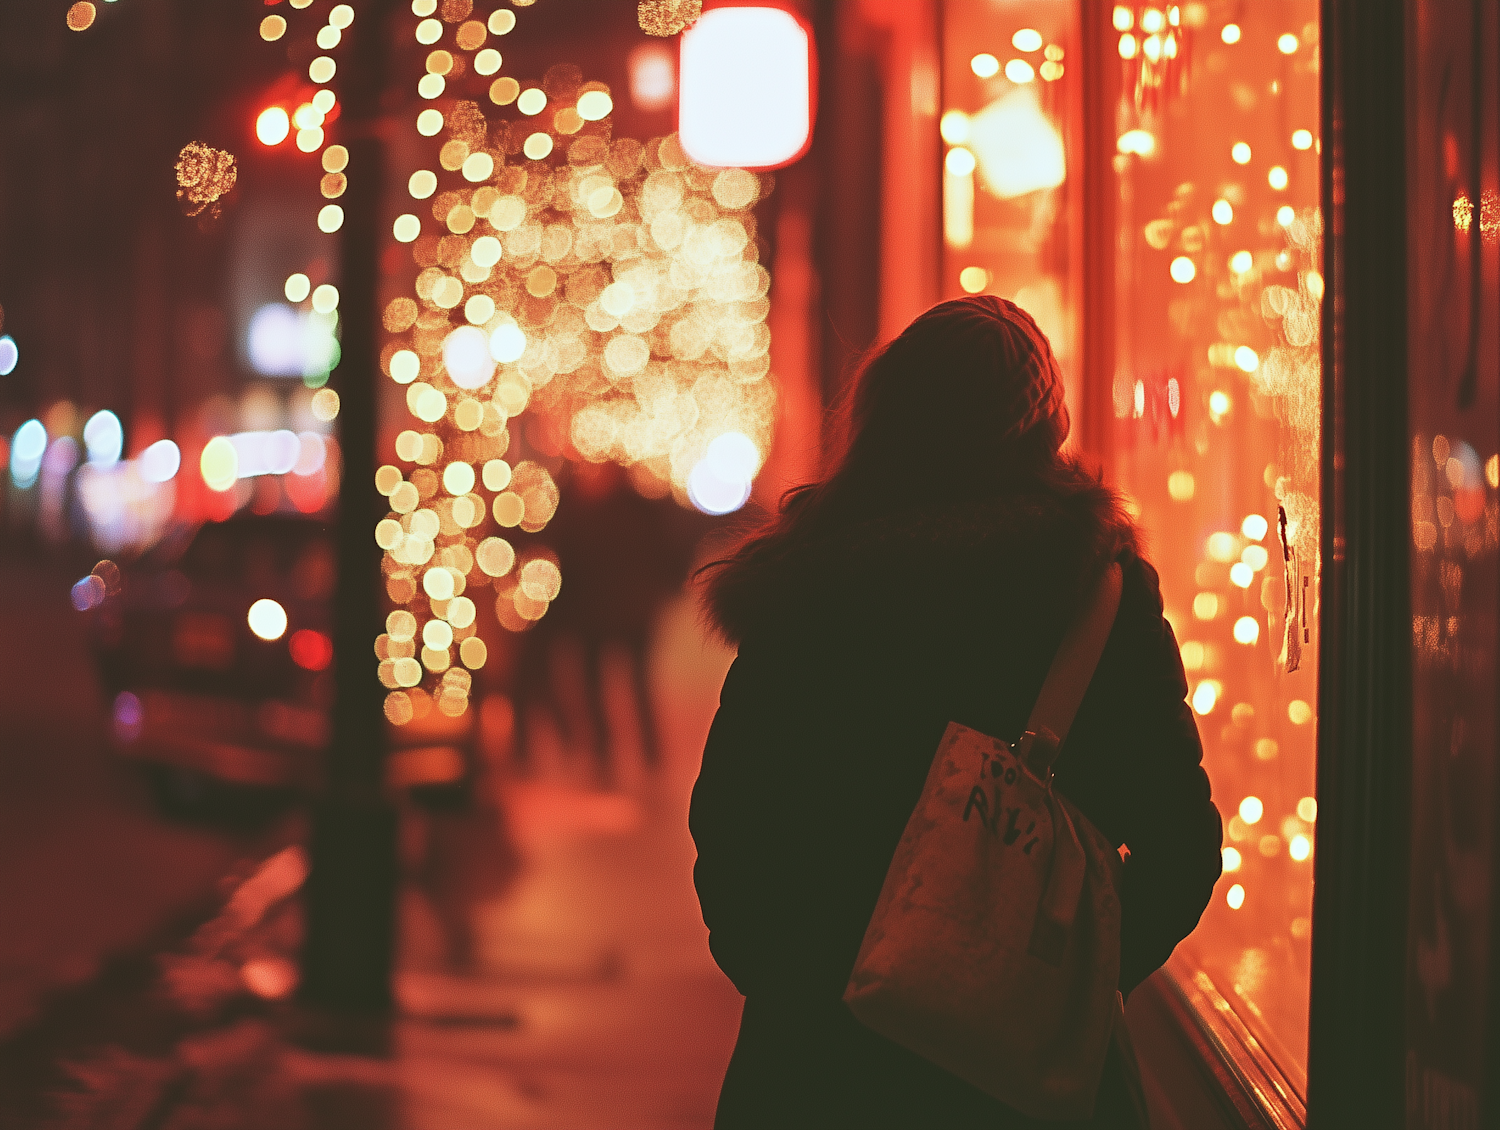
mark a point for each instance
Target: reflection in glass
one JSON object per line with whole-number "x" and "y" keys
{"x": 1217, "y": 398}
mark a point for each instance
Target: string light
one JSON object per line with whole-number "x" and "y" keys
{"x": 590, "y": 296}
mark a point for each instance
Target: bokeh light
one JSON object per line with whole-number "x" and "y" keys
{"x": 219, "y": 464}
{"x": 267, "y": 619}
{"x": 160, "y": 462}
{"x": 273, "y": 125}
{"x": 27, "y": 446}
{"x": 103, "y": 438}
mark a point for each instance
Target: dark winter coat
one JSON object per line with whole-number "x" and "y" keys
{"x": 855, "y": 653}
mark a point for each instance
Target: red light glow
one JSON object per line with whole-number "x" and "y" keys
{"x": 312, "y": 651}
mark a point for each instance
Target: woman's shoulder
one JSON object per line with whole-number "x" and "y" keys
{"x": 927, "y": 565}
{"x": 1140, "y": 582}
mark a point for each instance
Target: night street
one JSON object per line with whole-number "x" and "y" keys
{"x": 749, "y": 564}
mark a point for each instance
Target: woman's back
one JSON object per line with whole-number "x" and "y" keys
{"x": 860, "y": 640}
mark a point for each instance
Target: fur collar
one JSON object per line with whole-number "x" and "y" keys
{"x": 940, "y": 560}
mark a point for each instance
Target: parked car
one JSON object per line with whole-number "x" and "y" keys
{"x": 216, "y": 649}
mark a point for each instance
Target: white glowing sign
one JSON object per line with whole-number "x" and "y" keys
{"x": 745, "y": 88}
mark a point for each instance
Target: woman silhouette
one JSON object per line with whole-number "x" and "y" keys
{"x": 928, "y": 578}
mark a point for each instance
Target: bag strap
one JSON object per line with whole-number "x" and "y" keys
{"x": 1073, "y": 666}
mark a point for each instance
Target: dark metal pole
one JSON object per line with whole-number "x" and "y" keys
{"x": 351, "y": 891}
{"x": 1357, "y": 1031}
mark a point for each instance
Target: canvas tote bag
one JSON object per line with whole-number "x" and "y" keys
{"x": 994, "y": 949}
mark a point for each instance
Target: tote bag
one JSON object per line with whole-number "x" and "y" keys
{"x": 994, "y": 949}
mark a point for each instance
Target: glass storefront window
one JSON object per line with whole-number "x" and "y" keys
{"x": 1011, "y": 108}
{"x": 1217, "y": 398}
{"x": 1215, "y": 392}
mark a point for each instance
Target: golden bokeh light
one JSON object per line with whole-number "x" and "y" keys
{"x": 985, "y": 65}
{"x": 406, "y": 228}
{"x": 204, "y": 176}
{"x": 973, "y": 279}
{"x": 325, "y": 405}
{"x": 594, "y": 105}
{"x": 664, "y": 18}
{"x": 471, "y": 35}
{"x": 272, "y": 28}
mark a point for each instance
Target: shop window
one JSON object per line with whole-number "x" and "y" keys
{"x": 1215, "y": 392}
{"x": 1010, "y": 194}
{"x": 1217, "y": 399}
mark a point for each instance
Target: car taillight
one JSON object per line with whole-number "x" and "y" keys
{"x": 312, "y": 651}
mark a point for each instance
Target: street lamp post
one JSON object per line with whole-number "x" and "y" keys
{"x": 350, "y": 898}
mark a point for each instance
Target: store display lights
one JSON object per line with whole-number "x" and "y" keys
{"x": 1019, "y": 71}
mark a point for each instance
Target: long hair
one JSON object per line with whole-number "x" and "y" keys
{"x": 964, "y": 405}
